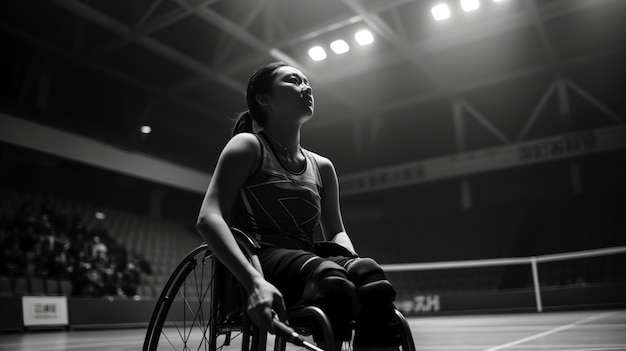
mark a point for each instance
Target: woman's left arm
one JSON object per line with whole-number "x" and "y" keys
{"x": 332, "y": 222}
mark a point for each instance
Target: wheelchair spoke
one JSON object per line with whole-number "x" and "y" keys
{"x": 232, "y": 337}
{"x": 168, "y": 340}
{"x": 199, "y": 293}
{"x": 176, "y": 326}
{"x": 199, "y": 319}
{"x": 183, "y": 336}
{"x": 202, "y": 293}
{"x": 198, "y": 316}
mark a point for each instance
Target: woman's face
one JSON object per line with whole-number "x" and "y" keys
{"x": 291, "y": 94}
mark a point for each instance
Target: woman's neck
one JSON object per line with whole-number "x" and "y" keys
{"x": 288, "y": 140}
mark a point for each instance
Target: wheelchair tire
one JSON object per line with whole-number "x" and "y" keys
{"x": 187, "y": 316}
{"x": 407, "y": 337}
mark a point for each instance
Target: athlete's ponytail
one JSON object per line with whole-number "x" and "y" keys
{"x": 243, "y": 123}
{"x": 260, "y": 83}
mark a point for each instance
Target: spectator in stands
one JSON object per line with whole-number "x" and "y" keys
{"x": 25, "y": 215}
{"x": 52, "y": 244}
{"x": 267, "y": 185}
{"x": 144, "y": 265}
{"x": 98, "y": 249}
{"x": 14, "y": 257}
{"x": 130, "y": 279}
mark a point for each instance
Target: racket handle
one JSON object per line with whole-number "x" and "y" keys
{"x": 287, "y": 333}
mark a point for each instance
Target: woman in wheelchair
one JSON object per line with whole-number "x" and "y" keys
{"x": 268, "y": 186}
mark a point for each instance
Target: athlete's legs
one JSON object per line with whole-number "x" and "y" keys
{"x": 374, "y": 309}
{"x": 303, "y": 276}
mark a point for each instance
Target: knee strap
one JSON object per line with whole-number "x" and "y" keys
{"x": 370, "y": 280}
{"x": 327, "y": 279}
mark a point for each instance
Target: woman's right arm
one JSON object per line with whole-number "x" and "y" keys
{"x": 238, "y": 160}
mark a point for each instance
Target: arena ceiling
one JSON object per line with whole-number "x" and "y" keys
{"x": 103, "y": 68}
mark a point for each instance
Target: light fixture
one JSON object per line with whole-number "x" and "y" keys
{"x": 440, "y": 12}
{"x": 146, "y": 129}
{"x": 364, "y": 37}
{"x": 339, "y": 46}
{"x": 317, "y": 53}
{"x": 470, "y": 5}
{"x": 100, "y": 215}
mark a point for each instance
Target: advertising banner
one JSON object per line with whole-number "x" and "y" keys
{"x": 44, "y": 310}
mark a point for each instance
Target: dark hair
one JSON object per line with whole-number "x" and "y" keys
{"x": 260, "y": 83}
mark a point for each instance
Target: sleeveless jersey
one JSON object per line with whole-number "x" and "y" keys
{"x": 279, "y": 207}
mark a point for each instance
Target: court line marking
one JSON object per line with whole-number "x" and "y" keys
{"x": 552, "y": 331}
{"x": 558, "y": 347}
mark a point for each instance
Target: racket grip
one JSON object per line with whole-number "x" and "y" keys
{"x": 287, "y": 333}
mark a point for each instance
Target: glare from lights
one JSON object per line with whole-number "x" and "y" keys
{"x": 146, "y": 129}
{"x": 499, "y": 0}
{"x": 317, "y": 53}
{"x": 364, "y": 37}
{"x": 470, "y": 5}
{"x": 339, "y": 47}
{"x": 440, "y": 12}
{"x": 100, "y": 215}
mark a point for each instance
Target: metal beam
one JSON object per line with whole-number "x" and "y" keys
{"x": 238, "y": 32}
{"x": 27, "y": 37}
{"x": 599, "y": 105}
{"x": 538, "y": 23}
{"x": 89, "y": 13}
{"x": 485, "y": 122}
{"x": 481, "y": 83}
{"x": 533, "y": 116}
{"x": 245, "y": 23}
{"x": 143, "y": 30}
{"x": 148, "y": 12}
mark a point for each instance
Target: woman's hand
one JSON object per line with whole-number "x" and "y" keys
{"x": 263, "y": 297}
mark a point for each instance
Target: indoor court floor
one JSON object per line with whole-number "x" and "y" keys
{"x": 578, "y": 331}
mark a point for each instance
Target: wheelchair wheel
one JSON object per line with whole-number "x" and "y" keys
{"x": 199, "y": 308}
{"x": 407, "y": 337}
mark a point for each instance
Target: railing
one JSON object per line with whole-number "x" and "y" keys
{"x": 533, "y": 261}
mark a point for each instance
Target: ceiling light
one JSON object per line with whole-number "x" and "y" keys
{"x": 317, "y": 53}
{"x": 339, "y": 47}
{"x": 440, "y": 12}
{"x": 470, "y": 5}
{"x": 146, "y": 129}
{"x": 364, "y": 37}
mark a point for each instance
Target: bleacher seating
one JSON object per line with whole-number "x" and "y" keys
{"x": 155, "y": 246}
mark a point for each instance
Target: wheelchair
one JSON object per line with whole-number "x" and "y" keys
{"x": 203, "y": 307}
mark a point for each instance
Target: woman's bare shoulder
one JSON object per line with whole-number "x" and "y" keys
{"x": 324, "y": 163}
{"x": 243, "y": 144}
{"x": 243, "y": 151}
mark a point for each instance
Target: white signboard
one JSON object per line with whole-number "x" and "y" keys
{"x": 44, "y": 310}
{"x": 420, "y": 304}
{"x": 497, "y": 158}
